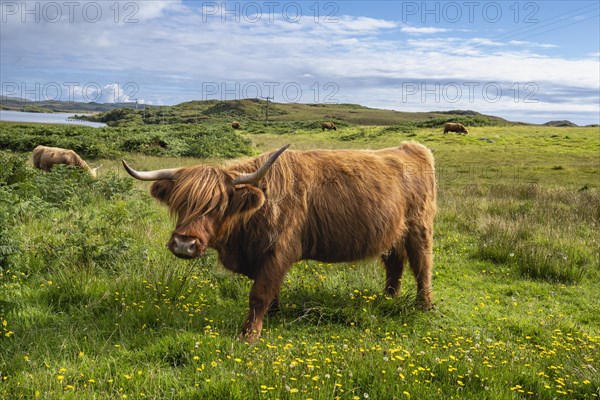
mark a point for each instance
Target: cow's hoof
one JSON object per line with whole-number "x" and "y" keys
{"x": 249, "y": 337}
{"x": 425, "y": 304}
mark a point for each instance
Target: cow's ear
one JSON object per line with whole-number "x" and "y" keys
{"x": 245, "y": 200}
{"x": 161, "y": 190}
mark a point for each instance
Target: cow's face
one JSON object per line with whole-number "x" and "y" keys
{"x": 208, "y": 202}
{"x": 206, "y": 205}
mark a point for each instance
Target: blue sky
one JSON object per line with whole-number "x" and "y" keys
{"x": 530, "y": 61}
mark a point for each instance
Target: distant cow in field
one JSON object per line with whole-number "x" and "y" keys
{"x": 263, "y": 215}
{"x": 329, "y": 126}
{"x": 45, "y": 157}
{"x": 454, "y": 127}
{"x": 235, "y": 125}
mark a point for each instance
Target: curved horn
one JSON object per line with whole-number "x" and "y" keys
{"x": 261, "y": 172}
{"x": 150, "y": 175}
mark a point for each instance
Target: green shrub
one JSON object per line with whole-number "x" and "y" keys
{"x": 224, "y": 145}
{"x": 64, "y": 186}
{"x": 25, "y": 191}
{"x": 8, "y": 244}
{"x": 466, "y": 120}
{"x": 166, "y": 140}
{"x": 14, "y": 168}
{"x": 360, "y": 134}
{"x": 401, "y": 128}
{"x": 111, "y": 185}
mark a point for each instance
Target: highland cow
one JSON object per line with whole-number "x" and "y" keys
{"x": 264, "y": 214}
{"x": 45, "y": 157}
{"x": 455, "y": 127}
{"x": 329, "y": 126}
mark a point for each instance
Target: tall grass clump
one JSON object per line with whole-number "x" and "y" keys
{"x": 556, "y": 261}
{"x": 536, "y": 231}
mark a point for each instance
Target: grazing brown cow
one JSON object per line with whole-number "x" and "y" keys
{"x": 261, "y": 216}
{"x": 235, "y": 125}
{"x": 45, "y": 157}
{"x": 329, "y": 126}
{"x": 454, "y": 127}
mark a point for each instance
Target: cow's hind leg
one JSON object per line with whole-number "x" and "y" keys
{"x": 394, "y": 265}
{"x": 419, "y": 247}
{"x": 274, "y": 306}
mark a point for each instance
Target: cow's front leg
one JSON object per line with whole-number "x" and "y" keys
{"x": 263, "y": 293}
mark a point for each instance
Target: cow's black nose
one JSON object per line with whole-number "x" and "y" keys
{"x": 183, "y": 246}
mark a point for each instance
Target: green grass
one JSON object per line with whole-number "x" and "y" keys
{"x": 92, "y": 305}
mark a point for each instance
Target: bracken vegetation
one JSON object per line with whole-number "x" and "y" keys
{"x": 167, "y": 140}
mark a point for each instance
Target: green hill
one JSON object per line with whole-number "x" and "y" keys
{"x": 52, "y": 106}
{"x": 252, "y": 111}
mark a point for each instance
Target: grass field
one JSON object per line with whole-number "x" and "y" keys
{"x": 93, "y": 306}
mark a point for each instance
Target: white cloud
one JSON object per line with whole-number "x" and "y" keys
{"x": 114, "y": 93}
{"x": 144, "y": 10}
{"x": 532, "y": 44}
{"x": 95, "y": 92}
{"x": 413, "y": 30}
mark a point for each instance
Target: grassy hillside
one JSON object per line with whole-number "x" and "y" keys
{"x": 50, "y": 106}
{"x": 252, "y": 112}
{"x": 92, "y": 305}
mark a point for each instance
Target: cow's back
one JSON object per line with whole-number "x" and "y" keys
{"x": 45, "y": 157}
{"x": 356, "y": 203}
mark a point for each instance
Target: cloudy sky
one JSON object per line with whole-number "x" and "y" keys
{"x": 528, "y": 61}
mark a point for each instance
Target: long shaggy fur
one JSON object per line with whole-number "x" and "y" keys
{"x": 327, "y": 205}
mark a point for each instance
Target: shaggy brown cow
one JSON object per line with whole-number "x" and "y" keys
{"x": 329, "y": 126}
{"x": 454, "y": 127}
{"x": 326, "y": 205}
{"x": 235, "y": 125}
{"x": 45, "y": 157}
